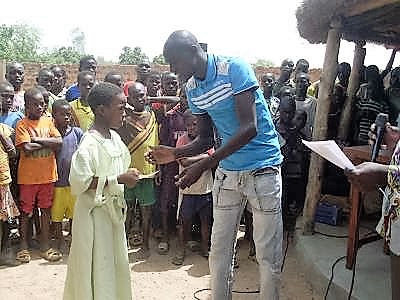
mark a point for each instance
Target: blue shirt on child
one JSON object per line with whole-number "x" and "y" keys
{"x": 70, "y": 143}
{"x": 225, "y": 78}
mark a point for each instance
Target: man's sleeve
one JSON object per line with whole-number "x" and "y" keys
{"x": 242, "y": 76}
{"x": 21, "y": 134}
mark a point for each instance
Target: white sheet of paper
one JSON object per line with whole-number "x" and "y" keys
{"x": 148, "y": 176}
{"x": 331, "y": 152}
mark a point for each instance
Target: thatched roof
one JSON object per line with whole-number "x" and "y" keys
{"x": 376, "y": 21}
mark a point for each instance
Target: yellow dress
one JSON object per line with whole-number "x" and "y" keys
{"x": 98, "y": 266}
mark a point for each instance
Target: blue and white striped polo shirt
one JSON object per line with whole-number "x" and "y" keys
{"x": 225, "y": 78}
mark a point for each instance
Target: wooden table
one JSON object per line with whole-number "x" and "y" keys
{"x": 357, "y": 155}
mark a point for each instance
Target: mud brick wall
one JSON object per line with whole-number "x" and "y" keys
{"x": 128, "y": 72}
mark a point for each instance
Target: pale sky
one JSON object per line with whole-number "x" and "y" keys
{"x": 251, "y": 29}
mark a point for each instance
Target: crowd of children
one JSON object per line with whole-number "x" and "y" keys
{"x": 42, "y": 127}
{"x": 40, "y": 131}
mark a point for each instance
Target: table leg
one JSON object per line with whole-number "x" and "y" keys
{"x": 352, "y": 242}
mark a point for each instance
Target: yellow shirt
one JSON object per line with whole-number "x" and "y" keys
{"x": 82, "y": 115}
{"x": 5, "y": 176}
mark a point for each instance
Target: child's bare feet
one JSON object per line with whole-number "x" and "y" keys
{"x": 178, "y": 258}
{"x": 142, "y": 254}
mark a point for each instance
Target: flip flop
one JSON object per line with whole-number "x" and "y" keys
{"x": 178, "y": 259}
{"x": 163, "y": 248}
{"x": 23, "y": 256}
{"x": 51, "y": 255}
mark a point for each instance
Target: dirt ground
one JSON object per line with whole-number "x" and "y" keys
{"x": 156, "y": 278}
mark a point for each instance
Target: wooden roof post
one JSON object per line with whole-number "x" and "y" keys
{"x": 2, "y": 69}
{"x": 354, "y": 84}
{"x": 328, "y": 77}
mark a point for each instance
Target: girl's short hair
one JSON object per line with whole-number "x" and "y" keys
{"x": 102, "y": 94}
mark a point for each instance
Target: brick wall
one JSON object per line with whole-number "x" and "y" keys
{"x": 128, "y": 72}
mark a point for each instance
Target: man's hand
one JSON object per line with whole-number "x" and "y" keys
{"x": 390, "y": 139}
{"x": 192, "y": 173}
{"x": 367, "y": 176}
{"x": 130, "y": 178}
{"x": 161, "y": 155}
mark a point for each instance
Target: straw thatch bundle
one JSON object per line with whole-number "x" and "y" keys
{"x": 376, "y": 21}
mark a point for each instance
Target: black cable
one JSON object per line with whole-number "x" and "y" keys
{"x": 352, "y": 278}
{"x": 332, "y": 274}
{"x": 199, "y": 291}
{"x": 286, "y": 250}
{"x": 332, "y": 235}
{"x": 236, "y": 292}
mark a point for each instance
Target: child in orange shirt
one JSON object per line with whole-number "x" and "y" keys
{"x": 38, "y": 139}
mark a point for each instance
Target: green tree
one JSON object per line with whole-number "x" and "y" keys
{"x": 63, "y": 55}
{"x": 263, "y": 63}
{"x": 78, "y": 40}
{"x": 19, "y": 42}
{"x": 131, "y": 56}
{"x": 160, "y": 59}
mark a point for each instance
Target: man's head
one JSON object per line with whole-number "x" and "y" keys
{"x": 190, "y": 122}
{"x": 34, "y": 103}
{"x": 395, "y": 78}
{"x": 88, "y": 63}
{"x": 153, "y": 84}
{"x": 302, "y": 84}
{"x": 302, "y": 65}
{"x": 137, "y": 96}
{"x": 114, "y": 77}
{"x": 299, "y": 119}
{"x": 46, "y": 96}
{"x": 59, "y": 80}
{"x": 86, "y": 81}
{"x": 344, "y": 70}
{"x": 6, "y": 95}
{"x": 15, "y": 74}
{"x": 61, "y": 111}
{"x": 286, "y": 90}
{"x": 45, "y": 78}
{"x": 286, "y": 68}
{"x": 287, "y": 109}
{"x": 143, "y": 70}
{"x": 169, "y": 84}
{"x": 185, "y": 55}
{"x": 108, "y": 102}
{"x": 267, "y": 84}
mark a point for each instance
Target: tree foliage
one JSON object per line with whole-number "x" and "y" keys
{"x": 160, "y": 59}
{"x": 78, "y": 40}
{"x": 19, "y": 42}
{"x": 131, "y": 56}
{"x": 263, "y": 63}
{"x": 63, "y": 55}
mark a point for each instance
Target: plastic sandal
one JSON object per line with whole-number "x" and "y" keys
{"x": 23, "y": 256}
{"x": 51, "y": 255}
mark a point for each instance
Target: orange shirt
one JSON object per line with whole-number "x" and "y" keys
{"x": 38, "y": 167}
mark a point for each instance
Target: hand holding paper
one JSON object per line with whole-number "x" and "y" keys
{"x": 331, "y": 152}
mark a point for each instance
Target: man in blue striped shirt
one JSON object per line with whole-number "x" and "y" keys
{"x": 225, "y": 91}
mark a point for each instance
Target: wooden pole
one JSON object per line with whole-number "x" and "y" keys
{"x": 354, "y": 84}
{"x": 2, "y": 69}
{"x": 328, "y": 77}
